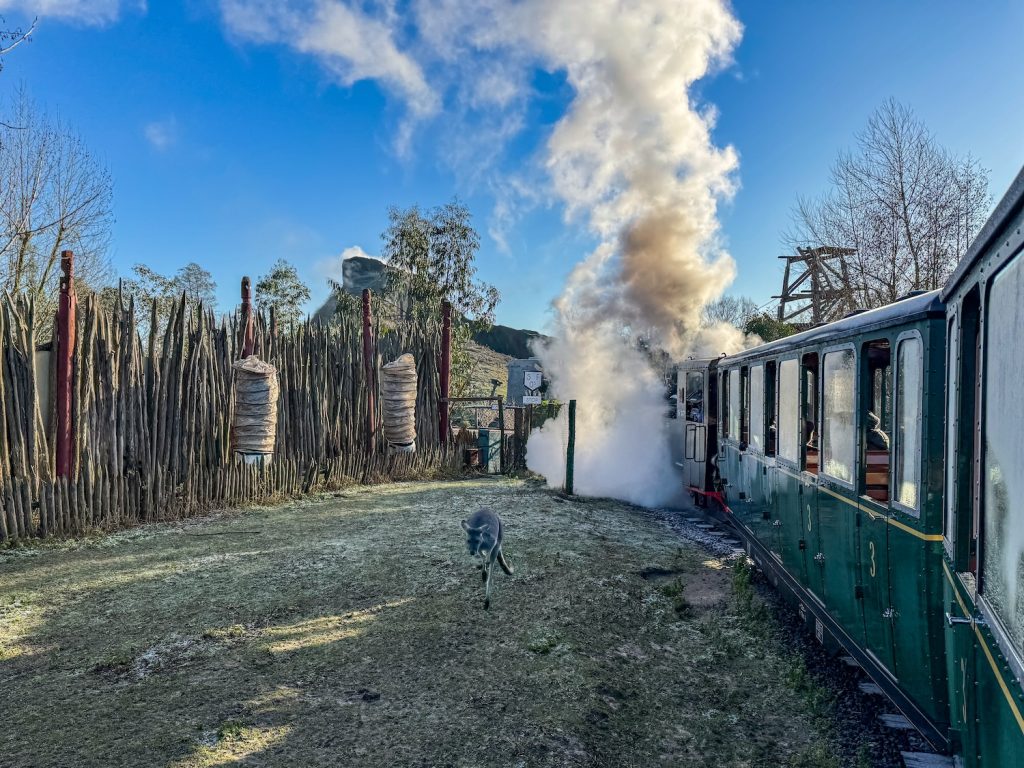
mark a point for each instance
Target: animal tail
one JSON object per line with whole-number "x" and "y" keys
{"x": 504, "y": 563}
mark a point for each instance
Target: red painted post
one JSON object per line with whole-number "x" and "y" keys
{"x": 368, "y": 364}
{"x": 249, "y": 331}
{"x": 65, "y": 351}
{"x": 446, "y": 370}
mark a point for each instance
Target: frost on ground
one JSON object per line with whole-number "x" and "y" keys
{"x": 350, "y": 631}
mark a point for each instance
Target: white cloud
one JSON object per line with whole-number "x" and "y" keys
{"x": 355, "y": 250}
{"x": 93, "y": 12}
{"x": 329, "y": 268}
{"x": 350, "y": 42}
{"x": 162, "y": 134}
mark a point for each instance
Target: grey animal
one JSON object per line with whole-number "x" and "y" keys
{"x": 483, "y": 538}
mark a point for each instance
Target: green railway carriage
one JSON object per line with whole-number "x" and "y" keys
{"x": 875, "y": 469}
{"x": 853, "y": 517}
{"x": 983, "y": 546}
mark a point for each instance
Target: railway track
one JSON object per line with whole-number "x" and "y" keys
{"x": 716, "y": 531}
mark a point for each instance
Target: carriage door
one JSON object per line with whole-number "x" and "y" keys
{"x": 692, "y": 397}
{"x": 960, "y": 540}
{"x": 872, "y": 525}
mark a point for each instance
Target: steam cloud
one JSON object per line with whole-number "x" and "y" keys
{"x": 635, "y": 154}
{"x": 632, "y": 155}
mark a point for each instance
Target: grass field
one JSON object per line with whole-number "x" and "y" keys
{"x": 350, "y": 631}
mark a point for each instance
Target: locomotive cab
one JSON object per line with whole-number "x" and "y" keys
{"x": 697, "y": 412}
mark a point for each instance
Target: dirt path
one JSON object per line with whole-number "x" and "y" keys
{"x": 349, "y": 631}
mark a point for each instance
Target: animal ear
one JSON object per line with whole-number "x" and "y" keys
{"x": 465, "y": 526}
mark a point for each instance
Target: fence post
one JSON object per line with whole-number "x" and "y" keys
{"x": 518, "y": 439}
{"x": 249, "y": 330}
{"x": 446, "y": 368}
{"x": 501, "y": 440}
{"x": 65, "y": 349}
{"x": 570, "y": 449}
{"x": 368, "y": 363}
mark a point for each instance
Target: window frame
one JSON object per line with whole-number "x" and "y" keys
{"x": 723, "y": 404}
{"x": 950, "y": 436}
{"x": 735, "y": 390}
{"x": 794, "y": 462}
{"x": 852, "y": 483}
{"x": 684, "y": 405}
{"x": 744, "y": 402}
{"x": 807, "y": 395}
{"x": 1012, "y": 651}
{"x": 761, "y": 449}
{"x": 771, "y": 406}
{"x": 896, "y": 442}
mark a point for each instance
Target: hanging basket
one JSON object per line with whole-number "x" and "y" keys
{"x": 254, "y": 430}
{"x": 398, "y": 402}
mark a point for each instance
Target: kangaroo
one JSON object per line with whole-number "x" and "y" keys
{"x": 483, "y": 537}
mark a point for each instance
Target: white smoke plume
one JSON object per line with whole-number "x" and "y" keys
{"x": 632, "y": 156}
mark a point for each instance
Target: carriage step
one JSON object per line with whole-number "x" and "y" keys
{"x": 926, "y": 760}
{"x": 850, "y": 661}
{"x": 871, "y": 689}
{"x": 898, "y": 722}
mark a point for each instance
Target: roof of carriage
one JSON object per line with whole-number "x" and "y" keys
{"x": 1003, "y": 214}
{"x": 899, "y": 312}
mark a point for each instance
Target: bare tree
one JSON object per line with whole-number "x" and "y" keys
{"x": 12, "y": 38}
{"x": 909, "y": 208}
{"x": 54, "y": 195}
{"x": 735, "y": 310}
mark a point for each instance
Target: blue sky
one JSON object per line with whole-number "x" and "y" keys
{"x": 232, "y": 149}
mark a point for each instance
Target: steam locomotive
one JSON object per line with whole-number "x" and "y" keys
{"x": 874, "y": 468}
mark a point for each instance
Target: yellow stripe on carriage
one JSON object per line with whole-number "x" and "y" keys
{"x": 988, "y": 653}
{"x": 875, "y": 515}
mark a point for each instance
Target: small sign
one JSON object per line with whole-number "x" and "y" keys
{"x": 531, "y": 399}
{"x": 532, "y": 379}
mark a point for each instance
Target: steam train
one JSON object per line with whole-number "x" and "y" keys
{"x": 874, "y": 468}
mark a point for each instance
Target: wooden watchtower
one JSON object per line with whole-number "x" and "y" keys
{"x": 816, "y": 281}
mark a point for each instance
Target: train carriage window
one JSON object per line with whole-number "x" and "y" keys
{"x": 744, "y": 407}
{"x": 789, "y": 411}
{"x": 1002, "y": 544}
{"x": 876, "y": 408}
{"x": 734, "y": 403}
{"x": 962, "y": 454}
{"x": 757, "y": 408}
{"x": 724, "y": 405}
{"x": 694, "y": 396}
{"x": 838, "y": 434}
{"x": 952, "y": 396}
{"x": 809, "y": 411}
{"x": 771, "y": 406}
{"x": 909, "y": 394}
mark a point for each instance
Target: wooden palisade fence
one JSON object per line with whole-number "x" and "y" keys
{"x": 151, "y": 421}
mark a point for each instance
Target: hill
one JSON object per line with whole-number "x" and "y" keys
{"x": 359, "y": 272}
